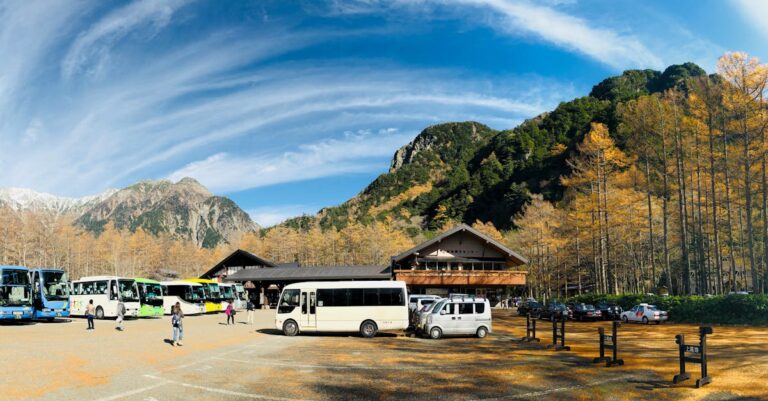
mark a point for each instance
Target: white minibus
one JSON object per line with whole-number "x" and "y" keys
{"x": 191, "y": 297}
{"x": 106, "y": 292}
{"x": 343, "y": 306}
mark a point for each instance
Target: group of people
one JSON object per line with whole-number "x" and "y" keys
{"x": 177, "y": 318}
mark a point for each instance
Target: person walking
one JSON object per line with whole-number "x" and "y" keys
{"x": 120, "y": 316}
{"x": 177, "y": 317}
{"x": 90, "y": 310}
{"x": 230, "y": 313}
{"x": 250, "y": 307}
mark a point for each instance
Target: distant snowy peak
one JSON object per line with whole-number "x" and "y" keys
{"x": 27, "y": 199}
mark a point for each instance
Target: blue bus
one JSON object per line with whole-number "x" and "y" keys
{"x": 15, "y": 293}
{"x": 50, "y": 293}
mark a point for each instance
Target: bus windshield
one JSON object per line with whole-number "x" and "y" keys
{"x": 128, "y": 291}
{"x": 151, "y": 294}
{"x": 55, "y": 285}
{"x": 197, "y": 293}
{"x": 214, "y": 294}
{"x": 14, "y": 288}
{"x": 227, "y": 293}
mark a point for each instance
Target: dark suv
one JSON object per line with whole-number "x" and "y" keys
{"x": 609, "y": 311}
{"x": 555, "y": 310}
{"x": 532, "y": 307}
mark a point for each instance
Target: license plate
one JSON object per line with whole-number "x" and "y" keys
{"x": 17, "y": 315}
{"x": 58, "y": 314}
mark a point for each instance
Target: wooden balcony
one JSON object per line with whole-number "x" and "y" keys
{"x": 477, "y": 278}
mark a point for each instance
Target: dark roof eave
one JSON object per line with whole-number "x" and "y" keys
{"x": 463, "y": 227}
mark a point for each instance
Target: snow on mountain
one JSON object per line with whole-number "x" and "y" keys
{"x": 27, "y": 199}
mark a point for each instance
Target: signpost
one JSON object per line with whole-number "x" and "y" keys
{"x": 693, "y": 354}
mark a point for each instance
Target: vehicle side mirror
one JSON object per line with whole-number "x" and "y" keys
{"x": 442, "y": 312}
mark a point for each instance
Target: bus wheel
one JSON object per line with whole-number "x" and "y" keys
{"x": 435, "y": 333}
{"x": 482, "y": 332}
{"x": 368, "y": 329}
{"x": 290, "y": 328}
{"x": 99, "y": 312}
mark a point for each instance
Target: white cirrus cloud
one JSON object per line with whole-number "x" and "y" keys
{"x": 92, "y": 46}
{"x": 267, "y": 216}
{"x": 352, "y": 153}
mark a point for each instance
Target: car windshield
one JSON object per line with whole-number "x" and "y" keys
{"x": 589, "y": 307}
{"x": 438, "y": 306}
{"x": 128, "y": 291}
{"x": 55, "y": 285}
{"x": 151, "y": 294}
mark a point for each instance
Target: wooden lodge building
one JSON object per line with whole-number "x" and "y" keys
{"x": 460, "y": 260}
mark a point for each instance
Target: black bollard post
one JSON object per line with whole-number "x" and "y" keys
{"x": 609, "y": 342}
{"x": 558, "y": 334}
{"x": 699, "y": 355}
{"x": 530, "y": 329}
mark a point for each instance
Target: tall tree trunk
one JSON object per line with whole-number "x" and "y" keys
{"x": 731, "y": 242}
{"x": 715, "y": 228}
{"x": 682, "y": 207}
{"x": 650, "y": 222}
{"x": 748, "y": 200}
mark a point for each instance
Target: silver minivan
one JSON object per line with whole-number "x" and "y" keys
{"x": 460, "y": 316}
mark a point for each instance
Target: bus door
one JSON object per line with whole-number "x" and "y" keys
{"x": 37, "y": 298}
{"x": 308, "y": 309}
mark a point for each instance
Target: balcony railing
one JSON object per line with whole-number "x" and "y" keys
{"x": 462, "y": 277}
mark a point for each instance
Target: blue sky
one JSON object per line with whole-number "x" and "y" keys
{"x": 289, "y": 106}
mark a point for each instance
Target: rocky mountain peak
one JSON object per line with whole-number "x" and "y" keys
{"x": 433, "y": 137}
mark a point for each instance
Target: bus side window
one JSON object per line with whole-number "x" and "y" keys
{"x": 113, "y": 290}
{"x": 303, "y": 303}
{"x": 312, "y": 303}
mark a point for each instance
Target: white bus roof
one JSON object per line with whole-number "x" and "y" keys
{"x": 95, "y": 278}
{"x": 226, "y": 284}
{"x": 348, "y": 284}
{"x": 177, "y": 282}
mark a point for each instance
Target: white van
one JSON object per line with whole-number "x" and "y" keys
{"x": 460, "y": 315}
{"x": 342, "y": 306}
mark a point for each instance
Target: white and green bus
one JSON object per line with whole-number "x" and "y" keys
{"x": 106, "y": 292}
{"x": 366, "y": 307}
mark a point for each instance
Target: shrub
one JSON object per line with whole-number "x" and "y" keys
{"x": 723, "y": 309}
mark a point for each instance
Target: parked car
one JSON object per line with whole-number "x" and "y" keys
{"x": 460, "y": 315}
{"x": 609, "y": 311}
{"x": 420, "y": 325}
{"x": 532, "y": 307}
{"x": 583, "y": 312}
{"x": 554, "y": 309}
{"x": 644, "y": 313}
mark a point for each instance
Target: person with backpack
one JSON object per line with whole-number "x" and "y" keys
{"x": 177, "y": 317}
{"x": 120, "y": 316}
{"x": 230, "y": 313}
{"x": 250, "y": 307}
{"x": 90, "y": 311}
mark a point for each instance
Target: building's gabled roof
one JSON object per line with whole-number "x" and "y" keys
{"x": 463, "y": 228}
{"x": 312, "y": 273}
{"x": 238, "y": 258}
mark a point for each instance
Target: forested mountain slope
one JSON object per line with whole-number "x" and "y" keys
{"x": 467, "y": 171}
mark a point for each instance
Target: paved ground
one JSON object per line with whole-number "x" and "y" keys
{"x": 61, "y": 361}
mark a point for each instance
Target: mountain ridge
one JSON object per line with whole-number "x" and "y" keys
{"x": 184, "y": 209}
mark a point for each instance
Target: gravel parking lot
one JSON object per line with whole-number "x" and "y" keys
{"x": 61, "y": 361}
